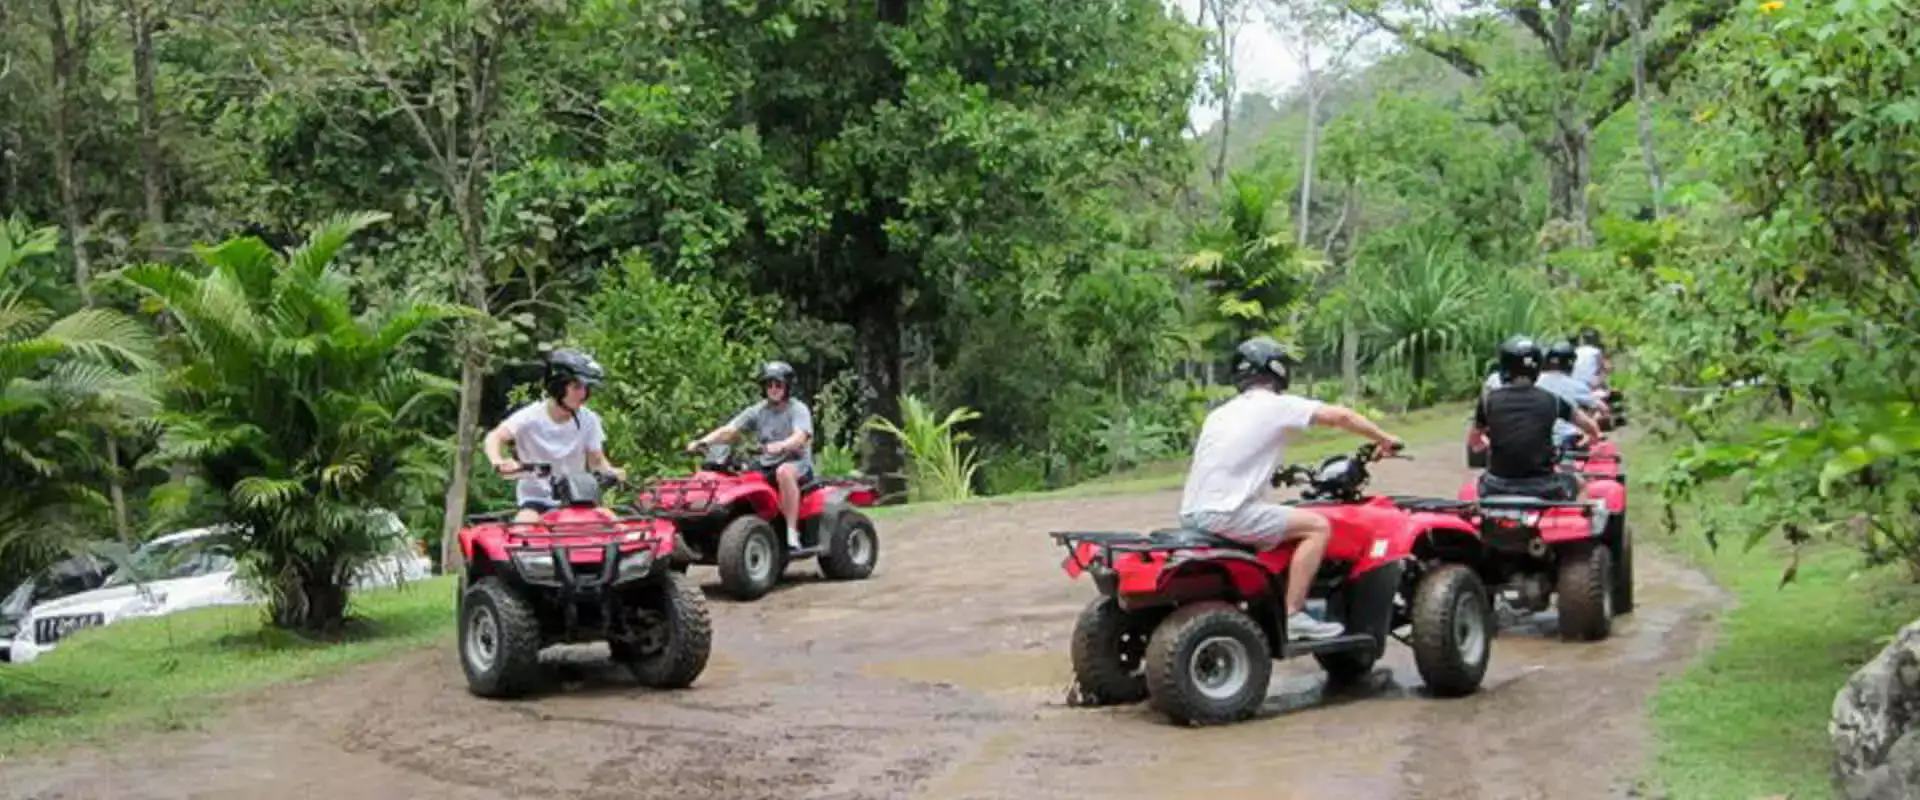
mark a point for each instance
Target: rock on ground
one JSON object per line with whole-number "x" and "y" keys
{"x": 1876, "y": 724}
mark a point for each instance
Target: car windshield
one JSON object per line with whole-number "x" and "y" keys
{"x": 188, "y": 558}
{"x": 15, "y": 606}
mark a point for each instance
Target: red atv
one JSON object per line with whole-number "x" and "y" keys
{"x": 578, "y": 575}
{"x": 1578, "y": 550}
{"x": 1192, "y": 622}
{"x": 727, "y": 514}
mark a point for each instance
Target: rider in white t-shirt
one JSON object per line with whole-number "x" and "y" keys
{"x": 559, "y": 430}
{"x": 1590, "y": 359}
{"x": 1234, "y": 458}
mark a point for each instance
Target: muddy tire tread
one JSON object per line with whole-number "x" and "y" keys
{"x": 837, "y": 563}
{"x": 1623, "y": 571}
{"x": 731, "y": 558}
{"x": 1169, "y": 647}
{"x": 517, "y": 664}
{"x": 1097, "y": 668}
{"x": 690, "y": 642}
{"x": 1447, "y": 674}
{"x": 1583, "y": 585}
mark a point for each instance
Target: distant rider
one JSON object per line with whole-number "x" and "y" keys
{"x": 1554, "y": 378}
{"x": 1240, "y": 446}
{"x": 1516, "y": 423}
{"x": 559, "y": 430}
{"x": 1590, "y": 364}
{"x": 784, "y": 427}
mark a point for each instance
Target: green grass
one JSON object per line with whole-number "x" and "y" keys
{"x": 1423, "y": 427}
{"x": 169, "y": 672}
{"x": 1749, "y": 720}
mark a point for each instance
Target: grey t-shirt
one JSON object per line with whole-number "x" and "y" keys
{"x": 770, "y": 424}
{"x": 1571, "y": 390}
{"x": 539, "y": 439}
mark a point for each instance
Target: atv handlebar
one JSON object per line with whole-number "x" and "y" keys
{"x": 606, "y": 478}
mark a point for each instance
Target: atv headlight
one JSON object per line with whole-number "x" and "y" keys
{"x": 534, "y": 565}
{"x": 635, "y": 565}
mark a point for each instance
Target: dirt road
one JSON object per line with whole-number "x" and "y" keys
{"x": 942, "y": 677}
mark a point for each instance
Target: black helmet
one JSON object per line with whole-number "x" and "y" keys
{"x": 776, "y": 371}
{"x": 1590, "y": 336}
{"x": 1560, "y": 357}
{"x": 1260, "y": 356}
{"x": 1519, "y": 358}
{"x": 567, "y": 366}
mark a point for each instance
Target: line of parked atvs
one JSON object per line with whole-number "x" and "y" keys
{"x": 1192, "y": 622}
{"x": 582, "y": 575}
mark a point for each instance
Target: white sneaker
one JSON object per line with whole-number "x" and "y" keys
{"x": 793, "y": 544}
{"x": 1302, "y": 625}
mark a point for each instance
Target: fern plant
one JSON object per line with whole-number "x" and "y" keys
{"x": 937, "y": 469}
{"x": 302, "y": 416}
{"x": 63, "y": 379}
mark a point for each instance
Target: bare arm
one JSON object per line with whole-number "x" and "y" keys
{"x": 724, "y": 433}
{"x": 1346, "y": 419}
{"x": 1586, "y": 425}
{"x": 791, "y": 443}
{"x": 497, "y": 438}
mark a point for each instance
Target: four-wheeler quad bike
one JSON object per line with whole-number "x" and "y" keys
{"x": 1579, "y": 551}
{"x": 727, "y": 514}
{"x": 1192, "y": 622}
{"x": 576, "y": 576}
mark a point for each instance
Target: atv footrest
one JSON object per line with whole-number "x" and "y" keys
{"x": 1337, "y": 644}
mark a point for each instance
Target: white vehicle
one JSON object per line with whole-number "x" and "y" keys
{"x": 182, "y": 571}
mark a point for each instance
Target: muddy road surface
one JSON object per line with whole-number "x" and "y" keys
{"x": 944, "y": 676}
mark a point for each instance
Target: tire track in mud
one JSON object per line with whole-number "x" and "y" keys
{"x": 943, "y": 676}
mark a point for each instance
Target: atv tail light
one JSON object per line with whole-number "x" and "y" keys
{"x": 534, "y": 565}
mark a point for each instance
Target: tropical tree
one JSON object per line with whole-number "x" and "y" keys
{"x": 302, "y": 416}
{"x": 62, "y": 381}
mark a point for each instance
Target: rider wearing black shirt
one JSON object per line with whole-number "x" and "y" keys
{"x": 1516, "y": 423}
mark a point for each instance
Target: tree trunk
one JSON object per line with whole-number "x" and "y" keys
{"x": 69, "y": 57}
{"x": 472, "y": 377}
{"x": 148, "y": 106}
{"x": 1350, "y": 358}
{"x": 1306, "y": 155}
{"x": 1655, "y": 182}
{"x": 1568, "y": 156}
{"x": 878, "y": 354}
{"x": 1223, "y": 24}
{"x": 311, "y": 601}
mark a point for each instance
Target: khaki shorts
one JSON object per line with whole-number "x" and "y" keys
{"x": 1261, "y": 525}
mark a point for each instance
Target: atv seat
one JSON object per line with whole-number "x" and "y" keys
{"x": 1194, "y": 537}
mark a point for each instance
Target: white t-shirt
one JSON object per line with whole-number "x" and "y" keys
{"x": 540, "y": 440}
{"x": 1586, "y": 363}
{"x": 1241, "y": 444}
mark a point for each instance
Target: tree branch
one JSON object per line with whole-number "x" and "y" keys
{"x": 1660, "y": 60}
{"x": 1452, "y": 54}
{"x": 1529, "y": 17}
{"x": 420, "y": 128}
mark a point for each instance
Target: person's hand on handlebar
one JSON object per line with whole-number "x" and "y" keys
{"x": 695, "y": 445}
{"x": 507, "y": 467}
{"x": 1389, "y": 447}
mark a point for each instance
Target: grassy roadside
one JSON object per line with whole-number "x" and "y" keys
{"x": 1423, "y": 427}
{"x": 173, "y": 672}
{"x": 1749, "y": 720}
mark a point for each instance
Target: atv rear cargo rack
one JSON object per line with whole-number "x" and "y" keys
{"x": 675, "y": 496}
